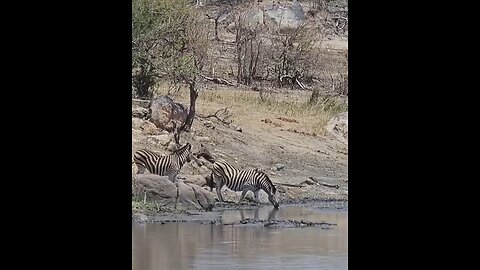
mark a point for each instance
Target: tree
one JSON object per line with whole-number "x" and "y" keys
{"x": 295, "y": 54}
{"x": 169, "y": 42}
{"x": 248, "y": 41}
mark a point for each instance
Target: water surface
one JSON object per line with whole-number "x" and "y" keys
{"x": 194, "y": 245}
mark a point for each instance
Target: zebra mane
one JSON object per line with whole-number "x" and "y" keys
{"x": 274, "y": 188}
{"x": 182, "y": 149}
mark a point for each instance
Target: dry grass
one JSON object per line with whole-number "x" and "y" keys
{"x": 247, "y": 106}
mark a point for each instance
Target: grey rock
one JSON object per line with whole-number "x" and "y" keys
{"x": 166, "y": 113}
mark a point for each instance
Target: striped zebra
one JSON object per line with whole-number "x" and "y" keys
{"x": 169, "y": 165}
{"x": 241, "y": 180}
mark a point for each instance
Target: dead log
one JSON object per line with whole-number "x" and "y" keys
{"x": 291, "y": 80}
{"x": 141, "y": 102}
{"x": 217, "y": 80}
{"x": 316, "y": 180}
{"x": 288, "y": 185}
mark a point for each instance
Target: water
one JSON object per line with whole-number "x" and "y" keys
{"x": 193, "y": 245}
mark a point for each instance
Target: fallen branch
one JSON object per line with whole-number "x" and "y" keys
{"x": 141, "y": 102}
{"x": 221, "y": 115}
{"x": 218, "y": 80}
{"x": 291, "y": 80}
{"x": 288, "y": 185}
{"x": 323, "y": 183}
{"x": 300, "y": 84}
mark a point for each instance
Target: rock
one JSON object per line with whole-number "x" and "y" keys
{"x": 164, "y": 112}
{"x": 202, "y": 139}
{"x": 172, "y": 146}
{"x": 239, "y": 129}
{"x": 187, "y": 196}
{"x": 198, "y": 180}
{"x": 148, "y": 128}
{"x": 139, "y": 217}
{"x": 194, "y": 197}
{"x": 285, "y": 17}
{"x": 136, "y": 135}
{"x": 281, "y": 189}
{"x": 162, "y": 139}
{"x": 253, "y": 18}
{"x": 209, "y": 124}
{"x": 137, "y": 123}
{"x": 279, "y": 166}
{"x": 308, "y": 182}
{"x": 338, "y": 127}
{"x": 139, "y": 112}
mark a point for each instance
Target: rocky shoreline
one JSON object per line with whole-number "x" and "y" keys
{"x": 214, "y": 216}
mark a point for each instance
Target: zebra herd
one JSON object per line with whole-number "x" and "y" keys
{"x": 222, "y": 173}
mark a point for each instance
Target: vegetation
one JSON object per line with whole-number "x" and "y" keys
{"x": 177, "y": 42}
{"x": 169, "y": 42}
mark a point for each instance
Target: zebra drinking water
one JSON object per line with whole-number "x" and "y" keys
{"x": 240, "y": 180}
{"x": 169, "y": 165}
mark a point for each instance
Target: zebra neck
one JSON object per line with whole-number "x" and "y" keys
{"x": 267, "y": 188}
{"x": 182, "y": 157}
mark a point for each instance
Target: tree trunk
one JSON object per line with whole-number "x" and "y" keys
{"x": 216, "y": 29}
{"x": 191, "y": 113}
{"x": 315, "y": 95}
{"x": 142, "y": 82}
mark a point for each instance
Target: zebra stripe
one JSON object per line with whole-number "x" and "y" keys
{"x": 243, "y": 180}
{"x": 162, "y": 165}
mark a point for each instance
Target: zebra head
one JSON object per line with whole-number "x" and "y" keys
{"x": 184, "y": 152}
{"x": 272, "y": 192}
{"x": 272, "y": 197}
{"x": 203, "y": 152}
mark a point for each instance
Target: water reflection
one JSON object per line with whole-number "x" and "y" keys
{"x": 197, "y": 246}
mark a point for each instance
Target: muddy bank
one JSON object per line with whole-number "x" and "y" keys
{"x": 262, "y": 214}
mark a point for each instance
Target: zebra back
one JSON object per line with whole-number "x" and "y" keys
{"x": 235, "y": 179}
{"x": 173, "y": 162}
{"x": 146, "y": 159}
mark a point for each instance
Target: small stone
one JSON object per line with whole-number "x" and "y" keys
{"x": 279, "y": 166}
{"x": 162, "y": 139}
{"x": 239, "y": 129}
{"x": 209, "y": 124}
{"x": 202, "y": 139}
{"x": 139, "y": 217}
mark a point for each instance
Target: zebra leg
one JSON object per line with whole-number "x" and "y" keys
{"x": 219, "y": 182}
{"x": 219, "y": 192}
{"x": 257, "y": 199}
{"x": 244, "y": 192}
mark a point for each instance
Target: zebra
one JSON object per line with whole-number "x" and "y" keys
{"x": 240, "y": 180}
{"x": 169, "y": 165}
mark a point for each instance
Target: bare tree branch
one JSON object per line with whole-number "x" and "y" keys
{"x": 218, "y": 80}
{"x": 222, "y": 115}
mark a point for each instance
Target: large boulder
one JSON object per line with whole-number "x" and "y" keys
{"x": 165, "y": 113}
{"x": 140, "y": 112}
{"x": 185, "y": 196}
{"x": 285, "y": 17}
